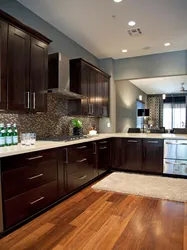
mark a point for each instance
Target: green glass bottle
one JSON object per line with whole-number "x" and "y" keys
{"x": 8, "y": 135}
{"x": 2, "y": 135}
{"x": 14, "y": 135}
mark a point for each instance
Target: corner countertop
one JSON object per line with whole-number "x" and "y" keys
{"x": 43, "y": 145}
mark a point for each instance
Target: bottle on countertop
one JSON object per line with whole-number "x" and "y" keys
{"x": 14, "y": 134}
{"x": 8, "y": 135}
{"x": 2, "y": 135}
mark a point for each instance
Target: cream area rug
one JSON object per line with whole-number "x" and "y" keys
{"x": 145, "y": 185}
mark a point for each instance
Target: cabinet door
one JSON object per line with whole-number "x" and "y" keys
{"x": 103, "y": 156}
{"x": 105, "y": 91}
{"x": 92, "y": 93}
{"x": 99, "y": 95}
{"x": 61, "y": 172}
{"x": 117, "y": 153}
{"x": 18, "y": 69}
{"x": 133, "y": 154}
{"x": 38, "y": 75}
{"x": 85, "y": 79}
{"x": 153, "y": 156}
{"x": 3, "y": 64}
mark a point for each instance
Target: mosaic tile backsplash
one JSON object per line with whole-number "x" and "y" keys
{"x": 54, "y": 122}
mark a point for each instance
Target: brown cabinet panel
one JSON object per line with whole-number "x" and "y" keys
{"x": 133, "y": 154}
{"x": 20, "y": 180}
{"x": 18, "y": 69}
{"x": 27, "y": 204}
{"x": 38, "y": 75}
{"x": 103, "y": 156}
{"x": 3, "y": 64}
{"x": 118, "y": 150}
{"x": 153, "y": 156}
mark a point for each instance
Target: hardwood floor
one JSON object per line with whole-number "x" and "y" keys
{"x": 105, "y": 220}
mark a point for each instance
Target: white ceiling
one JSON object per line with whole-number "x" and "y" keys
{"x": 90, "y": 24}
{"x": 161, "y": 85}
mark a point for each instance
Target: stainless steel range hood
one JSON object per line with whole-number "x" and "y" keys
{"x": 58, "y": 77}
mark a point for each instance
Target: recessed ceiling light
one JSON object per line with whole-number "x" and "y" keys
{"x": 167, "y": 44}
{"x": 117, "y": 1}
{"x": 124, "y": 50}
{"x": 131, "y": 23}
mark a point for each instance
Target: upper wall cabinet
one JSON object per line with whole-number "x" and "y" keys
{"x": 23, "y": 66}
{"x": 87, "y": 80}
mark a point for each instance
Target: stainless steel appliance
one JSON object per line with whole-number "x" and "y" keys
{"x": 59, "y": 77}
{"x": 175, "y": 157}
{"x": 65, "y": 138}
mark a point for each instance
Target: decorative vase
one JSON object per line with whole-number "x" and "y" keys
{"x": 77, "y": 131}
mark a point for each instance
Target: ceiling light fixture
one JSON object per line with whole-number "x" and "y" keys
{"x": 131, "y": 23}
{"x": 167, "y": 44}
{"x": 164, "y": 96}
{"x": 124, "y": 50}
{"x": 117, "y": 1}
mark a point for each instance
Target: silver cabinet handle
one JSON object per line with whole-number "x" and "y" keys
{"x": 36, "y": 176}
{"x": 82, "y": 147}
{"x": 132, "y": 141}
{"x": 90, "y": 108}
{"x": 34, "y": 158}
{"x": 103, "y": 148}
{"x": 82, "y": 160}
{"x": 82, "y": 177}
{"x": 34, "y": 100}
{"x": 153, "y": 142}
{"x": 33, "y": 202}
{"x": 174, "y": 163}
{"x": 28, "y": 100}
{"x": 103, "y": 142}
{"x": 66, "y": 150}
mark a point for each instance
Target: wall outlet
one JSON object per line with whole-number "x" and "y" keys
{"x": 108, "y": 124}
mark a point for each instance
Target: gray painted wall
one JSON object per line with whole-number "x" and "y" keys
{"x": 126, "y": 96}
{"x": 165, "y": 64}
{"x": 107, "y": 65}
{"x": 61, "y": 43}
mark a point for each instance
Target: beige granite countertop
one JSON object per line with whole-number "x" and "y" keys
{"x": 43, "y": 145}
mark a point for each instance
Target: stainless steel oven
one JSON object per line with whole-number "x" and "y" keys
{"x": 175, "y": 157}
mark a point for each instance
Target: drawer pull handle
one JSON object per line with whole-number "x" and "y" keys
{"x": 82, "y": 177}
{"x": 81, "y": 147}
{"x": 36, "y": 176}
{"x": 82, "y": 160}
{"x": 155, "y": 142}
{"x": 34, "y": 158}
{"x": 33, "y": 202}
{"x": 103, "y": 142}
{"x": 95, "y": 148}
{"x": 132, "y": 141}
{"x": 175, "y": 143}
{"x": 174, "y": 163}
{"x": 103, "y": 148}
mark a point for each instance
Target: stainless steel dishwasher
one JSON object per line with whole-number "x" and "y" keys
{"x": 175, "y": 157}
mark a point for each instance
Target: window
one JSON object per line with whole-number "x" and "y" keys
{"x": 174, "y": 113}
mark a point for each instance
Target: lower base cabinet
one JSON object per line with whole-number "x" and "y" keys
{"x": 103, "y": 152}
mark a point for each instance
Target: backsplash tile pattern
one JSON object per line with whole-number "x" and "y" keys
{"x": 54, "y": 122}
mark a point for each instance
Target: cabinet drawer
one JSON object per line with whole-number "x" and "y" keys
{"x": 156, "y": 142}
{"x": 23, "y": 179}
{"x": 27, "y": 159}
{"x": 133, "y": 141}
{"x": 27, "y": 204}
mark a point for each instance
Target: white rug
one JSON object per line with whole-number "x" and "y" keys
{"x": 145, "y": 185}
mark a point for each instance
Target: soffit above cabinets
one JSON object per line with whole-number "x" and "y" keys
{"x": 101, "y": 26}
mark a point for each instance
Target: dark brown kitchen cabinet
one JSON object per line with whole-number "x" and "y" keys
{"x": 23, "y": 66}
{"x": 18, "y": 69}
{"x": 133, "y": 154}
{"x": 153, "y": 156}
{"x": 104, "y": 160}
{"x": 3, "y": 64}
{"x": 79, "y": 165}
{"x": 38, "y": 75}
{"x": 118, "y": 151}
{"x": 89, "y": 81}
